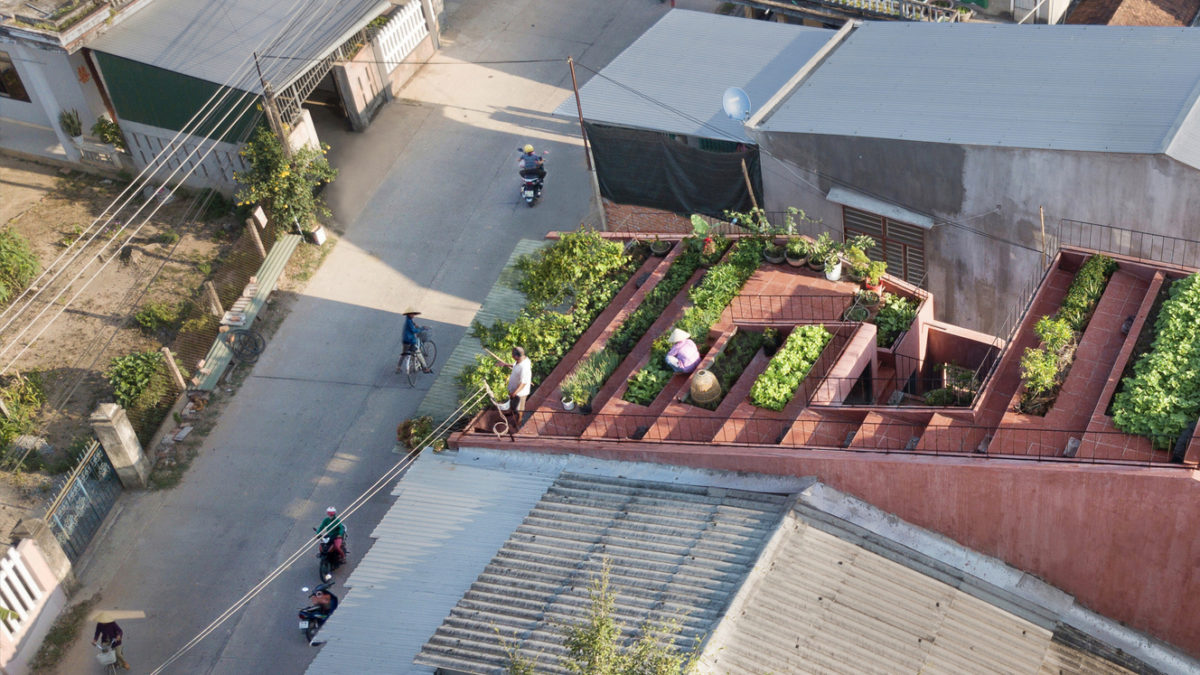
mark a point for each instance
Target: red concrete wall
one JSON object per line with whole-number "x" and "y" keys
{"x": 1122, "y": 541}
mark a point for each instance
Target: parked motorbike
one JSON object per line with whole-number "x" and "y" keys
{"x": 314, "y": 616}
{"x": 329, "y": 558}
{"x": 531, "y": 183}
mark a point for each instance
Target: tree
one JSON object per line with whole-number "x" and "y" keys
{"x": 284, "y": 186}
{"x": 596, "y": 647}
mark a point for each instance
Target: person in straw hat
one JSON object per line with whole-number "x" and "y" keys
{"x": 683, "y": 356}
{"x": 411, "y": 345}
{"x": 108, "y": 632}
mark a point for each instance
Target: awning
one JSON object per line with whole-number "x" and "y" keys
{"x": 856, "y": 200}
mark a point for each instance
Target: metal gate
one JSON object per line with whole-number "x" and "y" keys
{"x": 84, "y": 499}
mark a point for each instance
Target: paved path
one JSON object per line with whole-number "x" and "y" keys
{"x": 428, "y": 202}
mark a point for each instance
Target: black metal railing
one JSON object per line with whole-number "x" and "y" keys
{"x": 1161, "y": 248}
{"x": 1072, "y": 446}
{"x": 84, "y": 498}
{"x": 790, "y": 308}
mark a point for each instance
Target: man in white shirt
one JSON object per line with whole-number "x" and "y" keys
{"x": 520, "y": 381}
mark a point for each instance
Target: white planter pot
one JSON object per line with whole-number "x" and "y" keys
{"x": 833, "y": 273}
{"x": 317, "y": 236}
{"x": 568, "y": 404}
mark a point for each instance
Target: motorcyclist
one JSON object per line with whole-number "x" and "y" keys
{"x": 532, "y": 164}
{"x": 333, "y": 528}
{"x": 325, "y": 603}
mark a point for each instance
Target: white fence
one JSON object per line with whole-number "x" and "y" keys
{"x": 19, "y": 592}
{"x": 402, "y": 34}
{"x": 209, "y": 167}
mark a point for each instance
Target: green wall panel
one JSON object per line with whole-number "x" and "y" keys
{"x": 162, "y": 98}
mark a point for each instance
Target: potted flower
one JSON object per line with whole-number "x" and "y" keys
{"x": 873, "y": 276}
{"x": 797, "y": 251}
{"x": 71, "y": 126}
{"x": 659, "y": 247}
{"x": 773, "y": 252}
{"x": 820, "y": 252}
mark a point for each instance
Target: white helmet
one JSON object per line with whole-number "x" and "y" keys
{"x": 331, "y": 511}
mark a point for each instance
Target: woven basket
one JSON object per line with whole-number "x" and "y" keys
{"x": 705, "y": 388}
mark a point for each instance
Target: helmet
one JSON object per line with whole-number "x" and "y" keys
{"x": 331, "y": 511}
{"x": 529, "y": 149}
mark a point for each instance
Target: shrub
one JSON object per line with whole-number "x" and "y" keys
{"x": 646, "y": 384}
{"x": 157, "y": 315}
{"x": 1044, "y": 369}
{"x": 777, "y": 385}
{"x": 546, "y": 333}
{"x": 285, "y": 187}
{"x": 138, "y": 380}
{"x": 108, "y": 132}
{"x": 18, "y": 265}
{"x": 1163, "y": 396}
{"x": 1085, "y": 291}
{"x": 24, "y": 397}
{"x": 583, "y": 382}
{"x": 575, "y": 263}
{"x": 167, "y": 237}
{"x": 895, "y": 315}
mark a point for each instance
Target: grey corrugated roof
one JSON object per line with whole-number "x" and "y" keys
{"x": 686, "y": 61}
{"x": 828, "y": 605}
{"x": 676, "y": 553}
{"x": 1086, "y": 88}
{"x": 447, "y": 522}
{"x": 212, "y": 40}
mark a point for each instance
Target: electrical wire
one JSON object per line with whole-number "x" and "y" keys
{"x": 833, "y": 179}
{"x": 359, "y": 501}
{"x": 159, "y": 161}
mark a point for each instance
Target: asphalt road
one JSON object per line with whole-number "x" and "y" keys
{"x": 427, "y": 199}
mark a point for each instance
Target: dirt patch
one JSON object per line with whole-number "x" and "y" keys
{"x": 96, "y": 278}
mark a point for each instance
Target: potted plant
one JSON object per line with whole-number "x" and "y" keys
{"x": 833, "y": 265}
{"x": 109, "y": 133}
{"x": 867, "y": 298}
{"x": 820, "y": 252}
{"x": 773, "y": 252}
{"x": 796, "y": 251}
{"x": 873, "y": 276}
{"x": 71, "y": 126}
{"x": 770, "y": 343}
{"x": 856, "y": 313}
{"x": 659, "y": 247}
{"x": 856, "y": 256}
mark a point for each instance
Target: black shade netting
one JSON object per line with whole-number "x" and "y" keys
{"x": 648, "y": 168}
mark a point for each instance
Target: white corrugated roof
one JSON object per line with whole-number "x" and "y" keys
{"x": 684, "y": 63}
{"x": 676, "y": 553}
{"x": 213, "y": 40}
{"x": 1117, "y": 89}
{"x": 447, "y": 522}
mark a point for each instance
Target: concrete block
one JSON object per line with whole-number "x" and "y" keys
{"x": 121, "y": 444}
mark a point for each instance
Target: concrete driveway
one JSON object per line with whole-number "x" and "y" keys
{"x": 427, "y": 199}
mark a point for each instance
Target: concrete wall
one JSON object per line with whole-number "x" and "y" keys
{"x": 18, "y": 649}
{"x": 984, "y": 250}
{"x": 54, "y": 83}
{"x": 1122, "y": 541}
{"x": 213, "y": 167}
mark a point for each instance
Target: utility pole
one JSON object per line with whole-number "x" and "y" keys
{"x": 587, "y": 154}
{"x": 272, "y": 111}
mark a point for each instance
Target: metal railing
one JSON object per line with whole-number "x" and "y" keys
{"x": 850, "y": 435}
{"x": 790, "y": 308}
{"x": 1131, "y": 243}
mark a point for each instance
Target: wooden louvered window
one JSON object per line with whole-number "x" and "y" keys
{"x": 900, "y": 244}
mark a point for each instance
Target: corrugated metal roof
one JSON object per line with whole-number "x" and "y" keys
{"x": 821, "y": 603}
{"x": 676, "y": 553}
{"x": 447, "y": 522}
{"x": 1085, "y": 88}
{"x": 672, "y": 77}
{"x": 214, "y": 40}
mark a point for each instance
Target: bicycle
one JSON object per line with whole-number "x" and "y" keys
{"x": 107, "y": 658}
{"x": 410, "y": 366}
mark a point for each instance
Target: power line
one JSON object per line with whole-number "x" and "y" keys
{"x": 418, "y": 63}
{"x": 833, "y": 179}
{"x": 359, "y": 502}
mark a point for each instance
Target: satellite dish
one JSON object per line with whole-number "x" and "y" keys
{"x": 736, "y": 104}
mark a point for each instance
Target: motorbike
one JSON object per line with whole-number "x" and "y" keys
{"x": 531, "y": 183}
{"x": 328, "y": 556}
{"x": 314, "y": 616}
